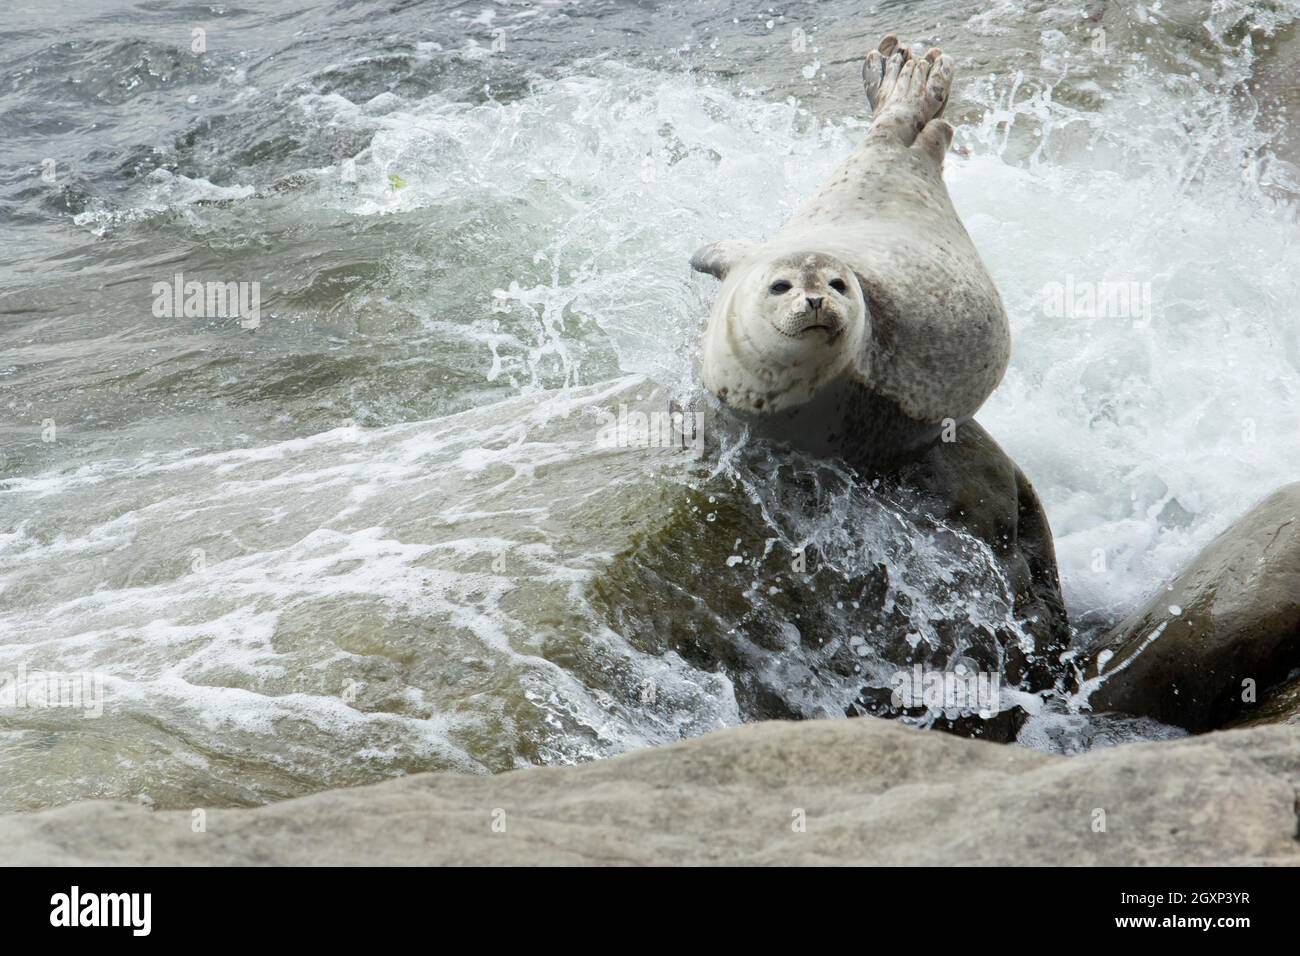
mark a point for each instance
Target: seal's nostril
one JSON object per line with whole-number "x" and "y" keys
{"x": 815, "y": 301}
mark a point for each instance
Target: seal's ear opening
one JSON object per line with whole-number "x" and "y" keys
{"x": 718, "y": 258}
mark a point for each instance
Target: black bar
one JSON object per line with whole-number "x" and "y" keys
{"x": 335, "y": 907}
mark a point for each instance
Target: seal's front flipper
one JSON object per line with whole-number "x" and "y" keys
{"x": 717, "y": 258}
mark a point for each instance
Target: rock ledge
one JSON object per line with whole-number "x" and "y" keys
{"x": 868, "y": 792}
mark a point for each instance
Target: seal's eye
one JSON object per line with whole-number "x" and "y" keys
{"x": 780, "y": 288}
{"x": 839, "y": 286}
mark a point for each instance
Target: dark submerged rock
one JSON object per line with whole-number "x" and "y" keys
{"x": 812, "y": 587}
{"x": 1277, "y": 705}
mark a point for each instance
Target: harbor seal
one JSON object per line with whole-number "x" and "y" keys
{"x": 867, "y": 324}
{"x": 867, "y": 330}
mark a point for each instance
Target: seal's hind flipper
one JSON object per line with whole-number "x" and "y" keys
{"x": 717, "y": 258}
{"x": 906, "y": 92}
{"x": 935, "y": 139}
{"x": 873, "y": 68}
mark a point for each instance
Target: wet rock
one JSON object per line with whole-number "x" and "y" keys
{"x": 812, "y": 587}
{"x": 997, "y": 727}
{"x": 1201, "y": 651}
{"x": 1277, "y": 705}
{"x": 971, "y": 483}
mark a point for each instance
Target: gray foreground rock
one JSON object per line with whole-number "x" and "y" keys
{"x": 870, "y": 791}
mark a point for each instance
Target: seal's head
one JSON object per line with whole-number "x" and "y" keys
{"x": 783, "y": 325}
{"x": 807, "y": 296}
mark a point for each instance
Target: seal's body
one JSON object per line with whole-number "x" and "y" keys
{"x": 867, "y": 323}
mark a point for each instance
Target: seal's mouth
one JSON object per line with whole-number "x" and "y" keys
{"x": 829, "y": 327}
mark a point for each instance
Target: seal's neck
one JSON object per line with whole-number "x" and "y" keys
{"x": 848, "y": 421}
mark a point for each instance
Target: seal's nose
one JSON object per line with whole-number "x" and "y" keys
{"x": 814, "y": 302}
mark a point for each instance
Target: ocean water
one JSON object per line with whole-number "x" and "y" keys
{"x": 378, "y": 534}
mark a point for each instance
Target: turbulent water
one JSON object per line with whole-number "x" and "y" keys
{"x": 377, "y": 534}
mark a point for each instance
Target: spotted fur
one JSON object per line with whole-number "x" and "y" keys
{"x": 921, "y": 326}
